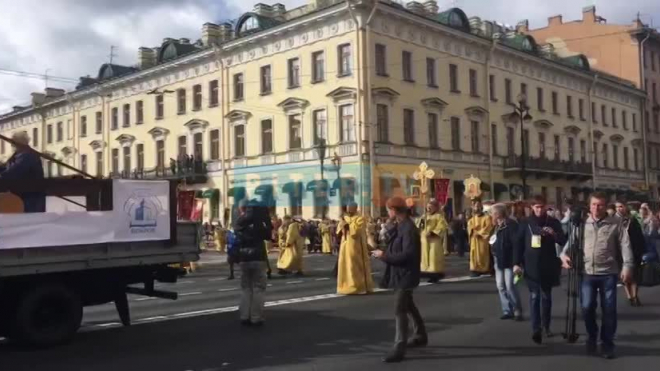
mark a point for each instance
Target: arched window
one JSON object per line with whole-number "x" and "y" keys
{"x": 169, "y": 52}
{"x": 455, "y": 20}
{"x": 252, "y": 23}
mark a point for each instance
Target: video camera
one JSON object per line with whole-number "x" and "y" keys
{"x": 578, "y": 214}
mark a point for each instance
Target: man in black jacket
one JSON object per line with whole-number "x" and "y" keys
{"x": 637, "y": 242}
{"x": 403, "y": 259}
{"x": 538, "y": 259}
{"x": 252, "y": 228}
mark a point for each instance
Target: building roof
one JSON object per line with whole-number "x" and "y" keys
{"x": 173, "y": 49}
{"x": 256, "y": 23}
{"x": 454, "y": 18}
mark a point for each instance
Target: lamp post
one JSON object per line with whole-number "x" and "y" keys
{"x": 521, "y": 113}
{"x": 336, "y": 162}
{"x": 321, "y": 149}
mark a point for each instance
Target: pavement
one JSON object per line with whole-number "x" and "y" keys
{"x": 309, "y": 327}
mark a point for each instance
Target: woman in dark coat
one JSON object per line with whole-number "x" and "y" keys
{"x": 537, "y": 258}
{"x": 504, "y": 245}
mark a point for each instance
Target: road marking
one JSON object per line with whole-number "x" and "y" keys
{"x": 190, "y": 293}
{"x": 230, "y": 289}
{"x": 269, "y": 285}
{"x": 217, "y": 279}
{"x": 294, "y": 282}
{"x": 185, "y": 282}
{"x": 109, "y": 324}
{"x": 322, "y": 279}
{"x": 145, "y": 299}
{"x": 149, "y": 319}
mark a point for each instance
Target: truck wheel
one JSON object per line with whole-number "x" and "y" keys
{"x": 47, "y": 315}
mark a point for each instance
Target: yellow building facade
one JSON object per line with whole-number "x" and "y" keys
{"x": 369, "y": 89}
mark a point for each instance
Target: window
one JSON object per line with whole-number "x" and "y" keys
{"x": 430, "y": 73}
{"x": 603, "y": 114}
{"x": 344, "y": 53}
{"x": 406, "y": 66}
{"x": 160, "y": 154}
{"x": 653, "y": 61}
{"x": 99, "y": 123}
{"x": 409, "y": 127}
{"x": 214, "y": 93}
{"x": 181, "y": 101}
{"x": 453, "y": 78}
{"x": 49, "y": 134}
{"x": 474, "y": 90}
{"x": 140, "y": 156}
{"x": 127, "y": 159}
{"x": 127, "y": 115}
{"x": 605, "y": 155}
{"x": 595, "y": 151}
{"x": 293, "y": 68}
{"x": 197, "y": 97}
{"x": 492, "y": 89}
{"x": 625, "y": 158}
{"x": 635, "y": 159}
{"x": 510, "y": 141}
{"x": 615, "y": 155}
{"x": 198, "y": 146}
{"x": 555, "y": 103}
{"x": 383, "y": 122}
{"x": 320, "y": 126}
{"x": 266, "y": 85}
{"x": 99, "y": 163}
{"x": 59, "y": 132}
{"x": 455, "y": 133}
{"x": 526, "y": 142}
{"x": 114, "y": 118}
{"x": 139, "y": 112}
{"x": 507, "y": 91}
{"x": 318, "y": 67}
{"x": 239, "y": 140}
{"x": 493, "y": 138}
{"x": 214, "y": 144}
{"x": 648, "y": 122}
{"x": 569, "y": 106}
{"x": 655, "y": 93}
{"x": 634, "y": 122}
{"x": 381, "y": 57}
{"x": 83, "y": 126}
{"x": 557, "y": 148}
{"x": 656, "y": 122}
{"x": 238, "y": 86}
{"x": 182, "y": 146}
{"x": 433, "y": 130}
{"x": 542, "y": 145}
{"x": 614, "y": 121}
{"x": 593, "y": 112}
{"x": 83, "y": 163}
{"x": 581, "y": 109}
{"x": 266, "y": 136}
{"x": 624, "y": 119}
{"x": 571, "y": 149}
{"x": 160, "y": 106}
{"x": 583, "y": 151}
{"x": 539, "y": 99}
{"x": 35, "y": 137}
{"x": 474, "y": 135}
{"x": 657, "y": 158}
{"x": 346, "y": 125}
{"x": 295, "y": 131}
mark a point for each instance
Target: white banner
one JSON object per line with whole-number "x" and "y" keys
{"x": 141, "y": 212}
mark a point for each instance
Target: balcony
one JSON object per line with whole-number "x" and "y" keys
{"x": 195, "y": 173}
{"x": 620, "y": 173}
{"x": 543, "y": 167}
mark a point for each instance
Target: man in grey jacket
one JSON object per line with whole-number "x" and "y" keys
{"x": 606, "y": 243}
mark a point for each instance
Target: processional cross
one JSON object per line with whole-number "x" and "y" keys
{"x": 423, "y": 174}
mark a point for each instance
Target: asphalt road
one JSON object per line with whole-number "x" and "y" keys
{"x": 310, "y": 328}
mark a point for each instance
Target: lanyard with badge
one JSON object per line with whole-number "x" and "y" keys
{"x": 536, "y": 238}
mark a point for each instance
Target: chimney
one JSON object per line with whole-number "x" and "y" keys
{"x": 589, "y": 14}
{"x": 487, "y": 28}
{"x": 555, "y": 20}
{"x": 475, "y": 25}
{"x": 415, "y": 7}
{"x": 431, "y": 7}
{"x": 38, "y": 99}
{"x": 523, "y": 26}
{"x": 210, "y": 34}
{"x": 146, "y": 58}
{"x": 262, "y": 9}
{"x": 54, "y": 93}
{"x": 225, "y": 32}
{"x": 548, "y": 50}
{"x": 167, "y": 40}
{"x": 278, "y": 11}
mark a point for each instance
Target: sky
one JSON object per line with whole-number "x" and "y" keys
{"x": 72, "y": 38}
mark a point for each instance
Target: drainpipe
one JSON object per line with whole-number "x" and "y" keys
{"x": 74, "y": 133}
{"x": 224, "y": 136}
{"x": 642, "y": 76}
{"x": 591, "y": 130}
{"x": 358, "y": 100}
{"x": 491, "y": 155}
{"x": 370, "y": 126}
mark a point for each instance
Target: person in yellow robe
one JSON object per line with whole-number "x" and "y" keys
{"x": 326, "y": 245}
{"x": 354, "y": 265}
{"x": 220, "y": 235}
{"x": 434, "y": 235}
{"x": 479, "y": 228}
{"x": 291, "y": 248}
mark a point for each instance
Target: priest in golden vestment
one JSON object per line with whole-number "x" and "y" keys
{"x": 291, "y": 249}
{"x": 479, "y": 229}
{"x": 326, "y": 241}
{"x": 434, "y": 237}
{"x": 354, "y": 266}
{"x": 220, "y": 235}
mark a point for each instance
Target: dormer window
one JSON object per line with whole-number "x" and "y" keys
{"x": 250, "y": 24}
{"x": 455, "y": 20}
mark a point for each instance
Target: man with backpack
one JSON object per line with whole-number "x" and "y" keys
{"x": 252, "y": 228}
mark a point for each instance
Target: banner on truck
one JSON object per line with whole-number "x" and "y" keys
{"x": 141, "y": 210}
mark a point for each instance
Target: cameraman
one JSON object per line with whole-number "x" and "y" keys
{"x": 604, "y": 239}
{"x": 252, "y": 228}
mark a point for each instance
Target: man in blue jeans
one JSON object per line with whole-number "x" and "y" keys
{"x": 606, "y": 243}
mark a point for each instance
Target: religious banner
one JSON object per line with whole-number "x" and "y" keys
{"x": 197, "y": 210}
{"x": 441, "y": 190}
{"x": 472, "y": 187}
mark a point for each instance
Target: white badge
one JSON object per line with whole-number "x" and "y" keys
{"x": 493, "y": 239}
{"x": 536, "y": 241}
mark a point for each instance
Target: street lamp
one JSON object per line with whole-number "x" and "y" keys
{"x": 336, "y": 163}
{"x": 521, "y": 113}
{"x": 321, "y": 148}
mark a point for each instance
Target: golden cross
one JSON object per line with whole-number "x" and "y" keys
{"x": 423, "y": 174}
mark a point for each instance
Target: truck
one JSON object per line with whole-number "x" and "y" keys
{"x": 124, "y": 238}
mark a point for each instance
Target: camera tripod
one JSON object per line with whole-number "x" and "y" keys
{"x": 575, "y": 239}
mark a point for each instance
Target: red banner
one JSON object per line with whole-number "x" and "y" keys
{"x": 196, "y": 214}
{"x": 441, "y": 190}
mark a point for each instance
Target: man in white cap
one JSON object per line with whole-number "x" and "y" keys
{"x": 26, "y": 165}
